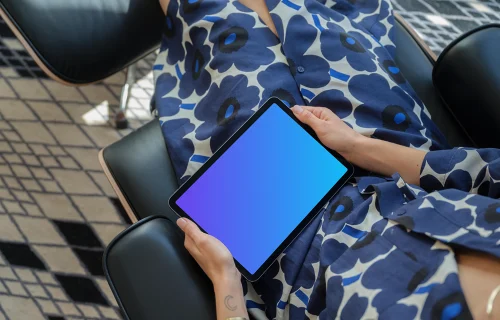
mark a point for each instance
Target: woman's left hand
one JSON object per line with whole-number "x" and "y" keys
{"x": 375, "y": 155}
{"x": 330, "y": 129}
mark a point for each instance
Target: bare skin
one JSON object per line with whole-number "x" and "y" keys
{"x": 479, "y": 273}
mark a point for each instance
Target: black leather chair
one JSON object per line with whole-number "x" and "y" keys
{"x": 145, "y": 263}
{"x": 79, "y": 42}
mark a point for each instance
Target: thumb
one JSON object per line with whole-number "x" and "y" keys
{"x": 307, "y": 117}
{"x": 190, "y": 229}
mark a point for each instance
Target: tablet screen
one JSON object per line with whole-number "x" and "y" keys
{"x": 262, "y": 187}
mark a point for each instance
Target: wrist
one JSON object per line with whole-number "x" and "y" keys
{"x": 358, "y": 146}
{"x": 227, "y": 279}
{"x": 229, "y": 296}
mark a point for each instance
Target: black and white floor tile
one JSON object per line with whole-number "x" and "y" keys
{"x": 57, "y": 209}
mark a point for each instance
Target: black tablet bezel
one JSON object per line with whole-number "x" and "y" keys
{"x": 308, "y": 218}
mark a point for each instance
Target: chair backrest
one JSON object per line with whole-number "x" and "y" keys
{"x": 416, "y": 62}
{"x": 83, "y": 41}
{"x": 467, "y": 76}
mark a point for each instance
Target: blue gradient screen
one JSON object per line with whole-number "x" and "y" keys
{"x": 262, "y": 187}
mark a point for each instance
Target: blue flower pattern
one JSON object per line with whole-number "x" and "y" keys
{"x": 172, "y": 35}
{"x": 317, "y": 75}
{"x": 340, "y": 55}
{"x": 168, "y": 104}
{"x": 192, "y": 11}
{"x": 337, "y": 44}
{"x": 196, "y": 77}
{"x": 236, "y": 39}
{"x": 222, "y": 115}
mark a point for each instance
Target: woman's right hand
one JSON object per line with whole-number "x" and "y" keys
{"x": 330, "y": 129}
{"x": 211, "y": 254}
{"x": 217, "y": 262}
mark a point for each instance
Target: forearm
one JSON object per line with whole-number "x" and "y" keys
{"x": 387, "y": 158}
{"x": 229, "y": 299}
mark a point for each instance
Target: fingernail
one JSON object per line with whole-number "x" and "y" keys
{"x": 181, "y": 222}
{"x": 298, "y": 109}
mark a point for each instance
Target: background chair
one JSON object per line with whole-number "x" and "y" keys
{"x": 147, "y": 263}
{"x": 81, "y": 42}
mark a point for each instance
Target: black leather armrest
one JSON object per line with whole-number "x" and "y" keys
{"x": 139, "y": 166}
{"x": 467, "y": 75}
{"x": 153, "y": 277}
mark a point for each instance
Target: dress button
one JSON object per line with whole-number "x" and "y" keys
{"x": 300, "y": 69}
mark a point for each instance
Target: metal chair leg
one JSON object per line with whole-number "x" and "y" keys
{"x": 120, "y": 119}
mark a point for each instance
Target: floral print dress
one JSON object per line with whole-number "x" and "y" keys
{"x": 381, "y": 248}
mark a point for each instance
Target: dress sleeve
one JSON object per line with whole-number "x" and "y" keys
{"x": 470, "y": 170}
{"x": 454, "y": 217}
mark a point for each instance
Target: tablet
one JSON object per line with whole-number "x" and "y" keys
{"x": 262, "y": 187}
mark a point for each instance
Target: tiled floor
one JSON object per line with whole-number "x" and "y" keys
{"x": 57, "y": 210}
